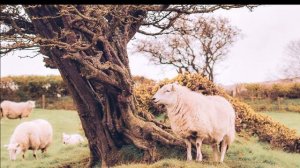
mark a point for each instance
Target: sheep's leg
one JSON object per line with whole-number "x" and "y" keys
{"x": 223, "y": 150}
{"x": 215, "y": 152}
{"x": 189, "y": 149}
{"x": 198, "y": 147}
{"x": 34, "y": 154}
{"x": 23, "y": 154}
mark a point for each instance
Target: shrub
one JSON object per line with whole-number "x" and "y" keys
{"x": 23, "y": 88}
{"x": 285, "y": 90}
{"x": 293, "y": 108}
{"x": 294, "y": 91}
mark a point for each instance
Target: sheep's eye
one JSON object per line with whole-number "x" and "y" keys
{"x": 167, "y": 91}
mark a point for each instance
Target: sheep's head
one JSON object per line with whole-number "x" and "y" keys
{"x": 31, "y": 103}
{"x": 166, "y": 95}
{"x": 13, "y": 149}
{"x": 65, "y": 138}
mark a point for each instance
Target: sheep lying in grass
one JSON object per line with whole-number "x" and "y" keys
{"x": 72, "y": 139}
{"x": 14, "y": 110}
{"x": 30, "y": 135}
{"x": 198, "y": 118}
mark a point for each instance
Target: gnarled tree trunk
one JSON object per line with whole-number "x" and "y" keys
{"x": 99, "y": 79}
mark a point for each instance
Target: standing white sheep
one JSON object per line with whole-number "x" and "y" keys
{"x": 72, "y": 139}
{"x": 14, "y": 110}
{"x": 30, "y": 135}
{"x": 198, "y": 118}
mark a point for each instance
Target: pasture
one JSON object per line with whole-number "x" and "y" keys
{"x": 290, "y": 119}
{"x": 245, "y": 152}
{"x": 58, "y": 154}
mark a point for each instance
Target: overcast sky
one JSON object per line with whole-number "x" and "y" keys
{"x": 256, "y": 57}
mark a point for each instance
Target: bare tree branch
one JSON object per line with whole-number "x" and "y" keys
{"x": 164, "y": 19}
{"x": 194, "y": 46}
{"x": 291, "y": 61}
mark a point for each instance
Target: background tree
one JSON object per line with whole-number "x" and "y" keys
{"x": 87, "y": 43}
{"x": 192, "y": 45}
{"x": 291, "y": 66}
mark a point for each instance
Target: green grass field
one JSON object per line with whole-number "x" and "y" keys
{"x": 58, "y": 154}
{"x": 246, "y": 153}
{"x": 243, "y": 153}
{"x": 290, "y": 119}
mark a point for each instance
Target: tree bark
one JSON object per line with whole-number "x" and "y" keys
{"x": 105, "y": 105}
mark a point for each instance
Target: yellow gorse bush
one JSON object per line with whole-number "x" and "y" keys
{"x": 278, "y": 135}
{"x": 289, "y": 90}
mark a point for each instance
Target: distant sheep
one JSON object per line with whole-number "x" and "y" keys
{"x": 14, "y": 110}
{"x": 198, "y": 118}
{"x": 30, "y": 135}
{"x": 72, "y": 139}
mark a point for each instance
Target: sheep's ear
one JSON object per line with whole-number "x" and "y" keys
{"x": 18, "y": 145}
